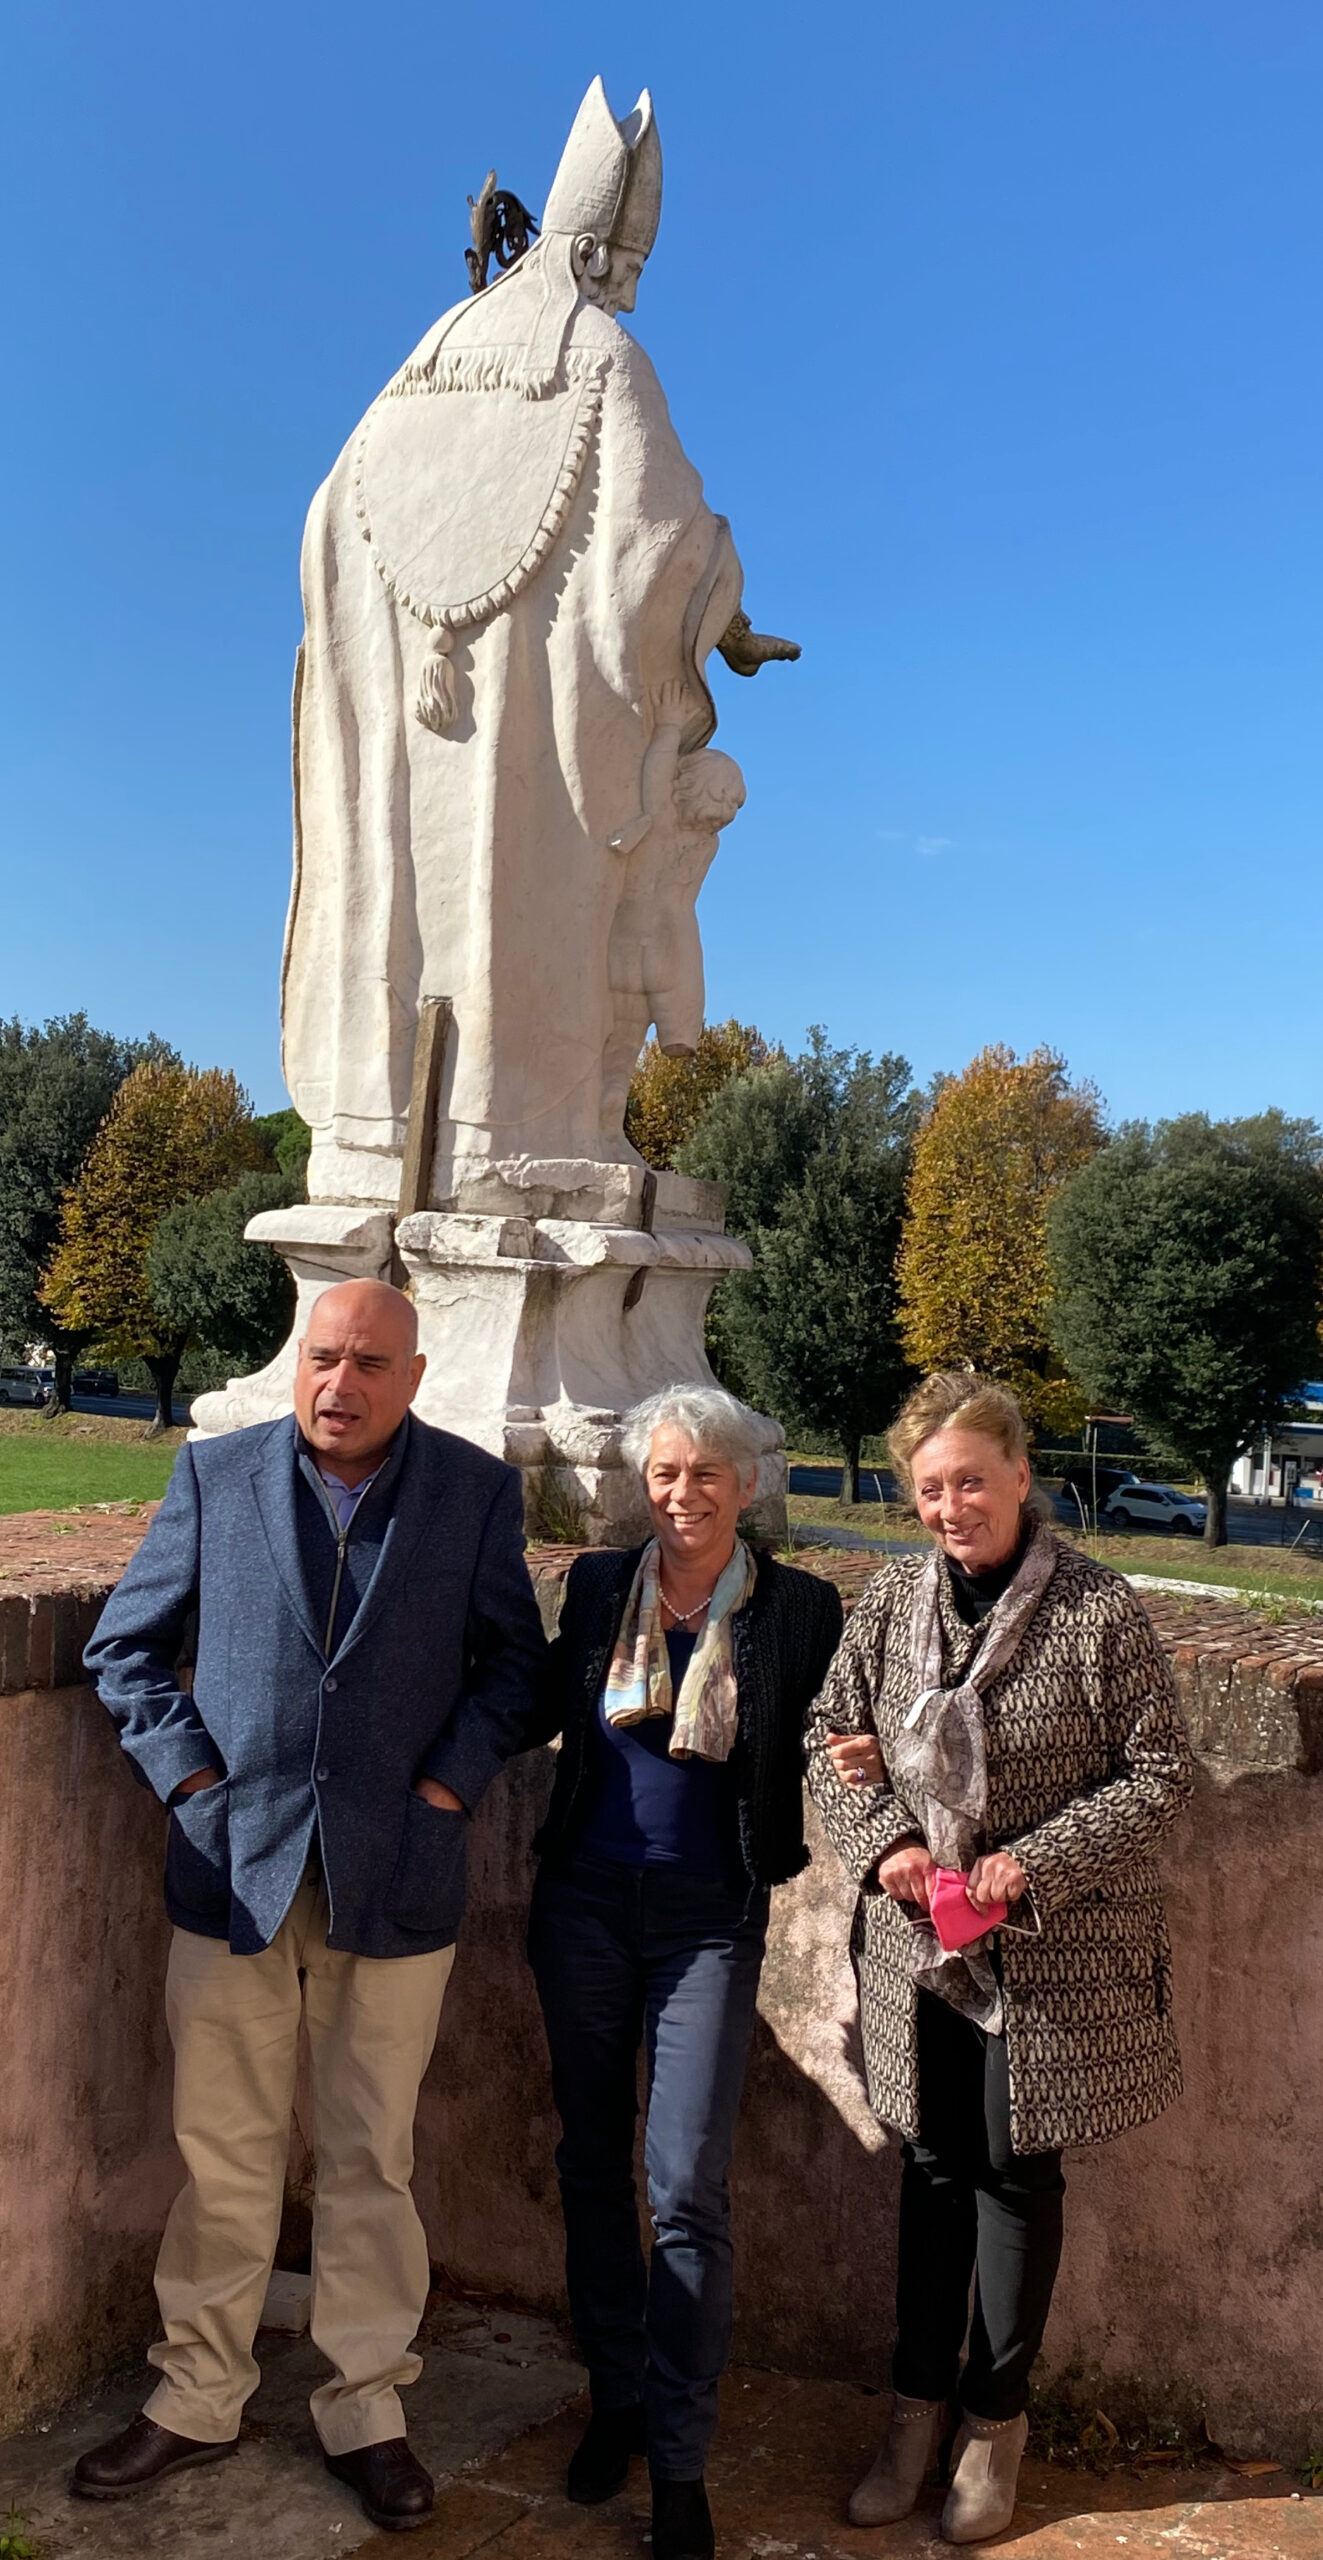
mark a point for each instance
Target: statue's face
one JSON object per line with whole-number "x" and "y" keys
{"x": 618, "y": 289}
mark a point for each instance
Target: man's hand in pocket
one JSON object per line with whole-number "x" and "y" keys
{"x": 444, "y": 1798}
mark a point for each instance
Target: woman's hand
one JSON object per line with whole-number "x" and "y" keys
{"x": 907, "y": 1873}
{"x": 856, "y": 1758}
{"x": 998, "y": 1878}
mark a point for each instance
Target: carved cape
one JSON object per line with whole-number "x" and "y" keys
{"x": 505, "y": 566}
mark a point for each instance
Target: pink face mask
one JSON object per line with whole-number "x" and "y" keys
{"x": 953, "y": 1915}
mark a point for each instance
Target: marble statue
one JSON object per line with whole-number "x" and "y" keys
{"x": 511, "y": 582}
{"x": 505, "y": 796}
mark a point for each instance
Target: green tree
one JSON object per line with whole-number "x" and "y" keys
{"x": 1186, "y": 1268}
{"x": 814, "y": 1153}
{"x": 668, "y": 1096}
{"x": 996, "y": 1145}
{"x": 172, "y": 1133}
{"x": 56, "y": 1086}
{"x": 288, "y": 1142}
{"x": 234, "y": 1298}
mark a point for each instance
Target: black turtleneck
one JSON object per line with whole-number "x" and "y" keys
{"x": 976, "y": 1594}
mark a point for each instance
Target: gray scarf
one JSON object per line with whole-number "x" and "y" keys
{"x": 939, "y": 1759}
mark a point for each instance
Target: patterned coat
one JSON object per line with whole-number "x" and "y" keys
{"x": 1088, "y": 1764}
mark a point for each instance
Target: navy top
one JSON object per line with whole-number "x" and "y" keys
{"x": 644, "y": 1809}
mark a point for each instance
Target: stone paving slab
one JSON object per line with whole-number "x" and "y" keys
{"x": 486, "y": 2377}
{"x": 786, "y": 2457}
{"x": 496, "y": 2417}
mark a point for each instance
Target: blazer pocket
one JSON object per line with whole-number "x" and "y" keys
{"x": 427, "y": 1888}
{"x": 197, "y": 1853}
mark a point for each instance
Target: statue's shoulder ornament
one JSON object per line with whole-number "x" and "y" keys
{"x": 466, "y": 469}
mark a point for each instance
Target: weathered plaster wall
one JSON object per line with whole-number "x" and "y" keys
{"x": 1194, "y": 2261}
{"x": 1193, "y": 2275}
{"x": 87, "y": 2164}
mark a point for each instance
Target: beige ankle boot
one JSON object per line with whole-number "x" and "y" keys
{"x": 889, "y": 2489}
{"x": 985, "y": 2466}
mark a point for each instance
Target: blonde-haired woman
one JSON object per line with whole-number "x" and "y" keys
{"x": 997, "y": 1749}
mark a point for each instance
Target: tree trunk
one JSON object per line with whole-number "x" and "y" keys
{"x": 850, "y": 1471}
{"x": 1215, "y": 1524}
{"x": 163, "y": 1371}
{"x": 62, "y": 1398}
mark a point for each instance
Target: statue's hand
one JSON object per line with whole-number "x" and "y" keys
{"x": 670, "y": 704}
{"x": 746, "y": 650}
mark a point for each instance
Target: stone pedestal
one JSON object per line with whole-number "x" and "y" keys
{"x": 541, "y": 1326}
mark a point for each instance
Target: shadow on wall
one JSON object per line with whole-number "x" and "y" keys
{"x": 814, "y": 2176}
{"x": 1191, "y": 2276}
{"x": 1194, "y": 2247}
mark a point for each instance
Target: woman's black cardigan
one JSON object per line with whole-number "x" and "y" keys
{"x": 784, "y": 1638}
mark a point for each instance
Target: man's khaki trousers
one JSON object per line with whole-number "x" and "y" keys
{"x": 234, "y": 2024}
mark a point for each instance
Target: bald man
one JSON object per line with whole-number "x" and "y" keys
{"x": 368, "y": 1648}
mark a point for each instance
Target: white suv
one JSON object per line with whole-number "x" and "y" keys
{"x": 24, "y": 1386}
{"x": 1156, "y": 1506}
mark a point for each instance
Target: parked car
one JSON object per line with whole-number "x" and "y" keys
{"x": 1156, "y": 1506}
{"x": 96, "y": 1382}
{"x": 1079, "y": 1481}
{"x": 25, "y": 1386}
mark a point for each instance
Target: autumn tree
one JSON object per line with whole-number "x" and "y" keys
{"x": 172, "y": 1133}
{"x": 975, "y": 1282}
{"x": 56, "y": 1085}
{"x": 1186, "y": 1261}
{"x": 668, "y": 1096}
{"x": 814, "y": 1153}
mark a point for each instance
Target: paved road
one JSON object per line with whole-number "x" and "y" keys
{"x": 128, "y": 1408}
{"x": 827, "y": 1479}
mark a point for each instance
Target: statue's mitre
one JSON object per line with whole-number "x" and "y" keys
{"x": 609, "y": 181}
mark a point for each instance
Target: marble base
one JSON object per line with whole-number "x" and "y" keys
{"x": 540, "y": 1332}
{"x": 534, "y": 1353}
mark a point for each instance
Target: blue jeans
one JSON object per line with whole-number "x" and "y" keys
{"x": 621, "y": 1954}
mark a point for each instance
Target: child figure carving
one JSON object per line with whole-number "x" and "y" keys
{"x": 655, "y": 959}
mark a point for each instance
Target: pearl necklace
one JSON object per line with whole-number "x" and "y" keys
{"x": 683, "y": 1616}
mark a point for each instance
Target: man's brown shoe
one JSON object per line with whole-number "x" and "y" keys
{"x": 396, "y": 2491}
{"x": 138, "y": 2457}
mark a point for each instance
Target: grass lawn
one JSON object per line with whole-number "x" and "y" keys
{"x": 55, "y": 1466}
{"x": 1229, "y": 1568}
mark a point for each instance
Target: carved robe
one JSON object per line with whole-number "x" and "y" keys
{"x": 522, "y": 559}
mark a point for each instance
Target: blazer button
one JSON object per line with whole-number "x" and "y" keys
{"x": 332, "y": 1684}
{"x": 321, "y": 1775}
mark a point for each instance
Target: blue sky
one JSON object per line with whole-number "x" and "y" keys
{"x": 994, "y": 328}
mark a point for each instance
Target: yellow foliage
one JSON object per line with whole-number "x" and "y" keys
{"x": 668, "y": 1096}
{"x": 974, "y": 1277}
{"x": 171, "y": 1133}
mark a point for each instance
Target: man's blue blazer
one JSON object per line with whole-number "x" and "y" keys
{"x": 436, "y": 1676}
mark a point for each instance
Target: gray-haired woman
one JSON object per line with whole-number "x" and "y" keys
{"x": 681, "y": 1678}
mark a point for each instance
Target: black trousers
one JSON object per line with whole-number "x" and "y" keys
{"x": 971, "y": 2208}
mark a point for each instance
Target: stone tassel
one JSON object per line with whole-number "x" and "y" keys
{"x": 436, "y": 704}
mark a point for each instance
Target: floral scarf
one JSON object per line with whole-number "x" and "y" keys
{"x": 638, "y": 1683}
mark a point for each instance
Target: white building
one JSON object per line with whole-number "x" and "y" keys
{"x": 1287, "y": 1464}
